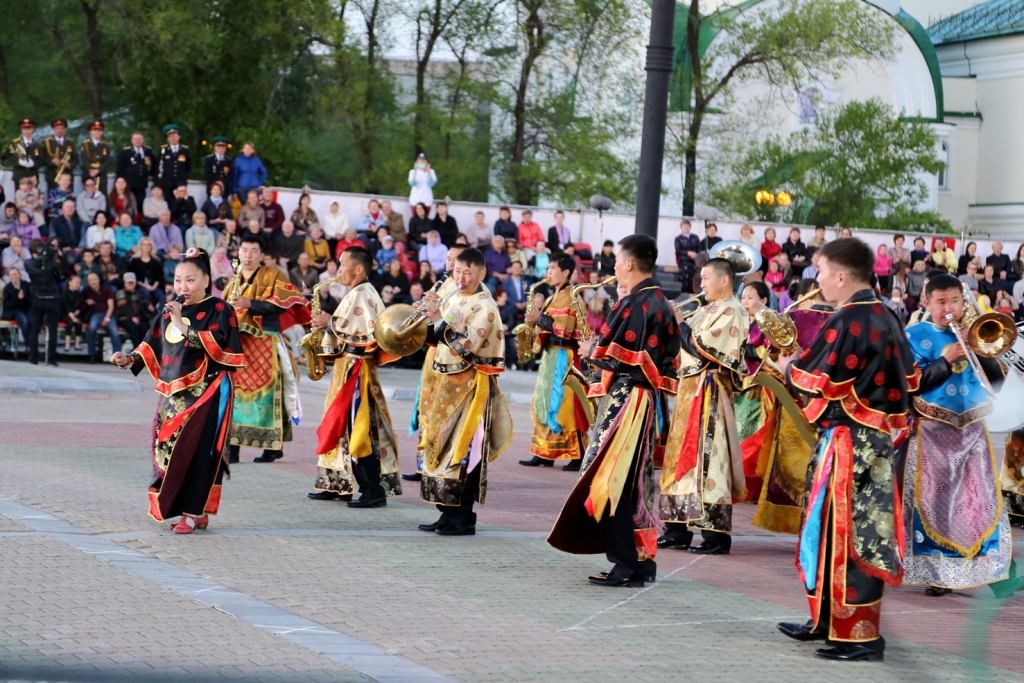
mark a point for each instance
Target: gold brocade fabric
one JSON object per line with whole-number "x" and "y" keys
{"x": 559, "y": 307}
{"x": 720, "y": 330}
{"x": 269, "y": 284}
{"x": 353, "y": 319}
{"x": 473, "y": 335}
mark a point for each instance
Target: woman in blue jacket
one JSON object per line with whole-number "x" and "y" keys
{"x": 250, "y": 173}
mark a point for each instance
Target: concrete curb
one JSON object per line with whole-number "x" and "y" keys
{"x": 55, "y": 385}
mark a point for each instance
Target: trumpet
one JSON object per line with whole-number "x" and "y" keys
{"x": 779, "y": 327}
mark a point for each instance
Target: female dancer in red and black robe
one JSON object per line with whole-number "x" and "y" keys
{"x": 191, "y": 351}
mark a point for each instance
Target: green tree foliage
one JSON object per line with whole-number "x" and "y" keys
{"x": 859, "y": 167}
{"x": 786, "y": 44}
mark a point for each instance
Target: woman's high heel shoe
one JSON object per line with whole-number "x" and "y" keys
{"x": 190, "y": 523}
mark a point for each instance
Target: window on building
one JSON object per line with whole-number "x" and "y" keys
{"x": 944, "y": 173}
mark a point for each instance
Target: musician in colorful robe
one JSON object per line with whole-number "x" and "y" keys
{"x": 356, "y": 443}
{"x": 702, "y": 474}
{"x": 560, "y": 424}
{"x": 466, "y": 422}
{"x": 266, "y": 391}
{"x": 858, "y": 375}
{"x": 956, "y": 536}
{"x": 775, "y": 454}
{"x": 611, "y": 508}
{"x": 192, "y": 352}
{"x": 445, "y": 289}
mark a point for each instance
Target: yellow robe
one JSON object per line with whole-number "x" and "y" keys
{"x": 370, "y": 429}
{"x": 463, "y": 400}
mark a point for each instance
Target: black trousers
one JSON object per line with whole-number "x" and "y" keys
{"x": 140, "y": 196}
{"x": 135, "y": 331}
{"x": 49, "y": 309}
{"x": 463, "y": 515}
{"x": 367, "y": 473}
{"x": 620, "y": 544}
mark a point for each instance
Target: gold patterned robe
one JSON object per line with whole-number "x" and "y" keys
{"x": 702, "y": 472}
{"x": 429, "y": 376}
{"x": 560, "y": 422}
{"x": 356, "y": 421}
{"x": 465, "y": 420}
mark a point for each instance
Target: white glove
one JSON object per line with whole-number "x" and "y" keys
{"x": 26, "y": 163}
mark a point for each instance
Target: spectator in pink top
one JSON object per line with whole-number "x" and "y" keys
{"x": 883, "y": 268}
{"x": 529, "y": 232}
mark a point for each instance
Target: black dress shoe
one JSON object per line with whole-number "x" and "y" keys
{"x": 323, "y": 495}
{"x": 706, "y": 548}
{"x": 936, "y": 591}
{"x": 650, "y": 578}
{"x": 431, "y": 528}
{"x": 606, "y": 579}
{"x": 365, "y": 503}
{"x": 265, "y": 457}
{"x": 573, "y": 466}
{"x": 537, "y": 462}
{"x": 678, "y": 541}
{"x": 456, "y": 530}
{"x": 412, "y": 477}
{"x": 801, "y": 632}
{"x": 873, "y": 651}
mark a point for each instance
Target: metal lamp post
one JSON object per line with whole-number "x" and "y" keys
{"x": 652, "y": 145}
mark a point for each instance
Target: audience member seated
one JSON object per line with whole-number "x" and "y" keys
{"x": 769, "y": 248}
{"x": 394, "y": 277}
{"x": 221, "y": 269}
{"x": 529, "y": 232}
{"x": 14, "y": 257}
{"x": 517, "y": 253}
{"x": 30, "y": 197}
{"x": 164, "y": 233}
{"x": 99, "y": 313}
{"x": 60, "y": 194}
{"x": 504, "y": 227}
{"x": 303, "y": 275}
{"x": 796, "y": 250}
{"x": 8, "y": 222}
{"x": 445, "y": 225}
{"x": 604, "y": 262}
{"x": 86, "y": 264}
{"x": 558, "y": 234}
{"x": 372, "y": 219}
{"x": 68, "y": 230}
{"x": 216, "y": 207}
{"x": 230, "y": 239}
{"x": 127, "y": 236}
{"x": 133, "y": 311}
{"x": 516, "y": 286}
{"x": 149, "y": 273}
{"x": 100, "y": 231}
{"x": 200, "y": 235}
{"x": 26, "y": 226}
{"x": 71, "y": 302}
{"x": 425, "y": 276}
{"x": 112, "y": 267}
{"x": 419, "y": 226}
{"x": 153, "y": 206}
{"x": 121, "y": 200}
{"x": 350, "y": 240}
{"x": 434, "y": 252}
{"x": 316, "y": 248}
{"x": 273, "y": 214}
{"x": 332, "y": 294}
{"x": 17, "y": 301}
{"x": 252, "y": 211}
{"x": 303, "y": 217}
{"x": 289, "y": 244}
{"x": 395, "y": 222}
{"x": 539, "y": 260}
{"x": 335, "y": 223}
{"x": 89, "y": 202}
{"x": 498, "y": 263}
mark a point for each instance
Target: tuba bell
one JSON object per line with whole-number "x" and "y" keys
{"x": 401, "y": 330}
{"x": 779, "y": 327}
{"x": 744, "y": 258}
{"x": 988, "y": 334}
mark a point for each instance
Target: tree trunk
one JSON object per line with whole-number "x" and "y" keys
{"x": 693, "y": 25}
{"x": 456, "y": 98}
{"x": 690, "y": 183}
{"x": 5, "y": 83}
{"x": 524, "y": 189}
{"x": 95, "y": 56}
{"x": 364, "y": 141}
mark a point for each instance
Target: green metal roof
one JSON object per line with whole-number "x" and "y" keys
{"x": 987, "y": 20}
{"x": 679, "y": 92}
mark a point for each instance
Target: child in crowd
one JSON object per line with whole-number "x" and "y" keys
{"x": 386, "y": 254}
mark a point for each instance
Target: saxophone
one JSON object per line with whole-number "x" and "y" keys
{"x": 312, "y": 344}
{"x": 234, "y": 287}
{"x": 580, "y": 309}
{"x": 525, "y": 337}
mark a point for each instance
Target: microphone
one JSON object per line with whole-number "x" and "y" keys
{"x": 178, "y": 299}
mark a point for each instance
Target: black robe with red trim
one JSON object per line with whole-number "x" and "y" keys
{"x": 860, "y": 361}
{"x": 639, "y": 342}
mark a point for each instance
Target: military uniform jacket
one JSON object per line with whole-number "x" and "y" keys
{"x": 214, "y": 171}
{"x": 53, "y": 149}
{"x": 96, "y": 157}
{"x": 172, "y": 169}
{"x": 138, "y": 171}
{"x": 17, "y": 149}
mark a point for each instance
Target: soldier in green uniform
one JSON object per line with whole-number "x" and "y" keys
{"x": 24, "y": 155}
{"x": 174, "y": 163}
{"x": 217, "y": 166}
{"x": 54, "y": 149}
{"x": 97, "y": 156}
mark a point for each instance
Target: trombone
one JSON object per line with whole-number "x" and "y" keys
{"x": 699, "y": 298}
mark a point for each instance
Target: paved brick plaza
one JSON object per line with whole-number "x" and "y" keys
{"x": 283, "y": 588}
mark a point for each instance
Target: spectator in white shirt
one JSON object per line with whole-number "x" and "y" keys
{"x": 99, "y": 231}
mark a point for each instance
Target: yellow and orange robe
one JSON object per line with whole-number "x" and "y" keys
{"x": 560, "y": 422}
{"x": 356, "y": 422}
{"x": 465, "y": 421}
{"x": 194, "y": 377}
{"x": 429, "y": 376}
{"x": 702, "y": 474}
{"x": 266, "y": 390}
